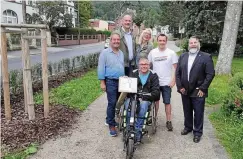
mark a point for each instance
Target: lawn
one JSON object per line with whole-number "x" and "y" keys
{"x": 219, "y": 85}
{"x": 229, "y": 130}
{"x": 230, "y": 133}
{"x": 77, "y": 93}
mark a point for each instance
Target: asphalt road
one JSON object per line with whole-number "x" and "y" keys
{"x": 54, "y": 54}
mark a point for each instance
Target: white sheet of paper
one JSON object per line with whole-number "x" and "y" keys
{"x": 128, "y": 84}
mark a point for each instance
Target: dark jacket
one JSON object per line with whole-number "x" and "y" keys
{"x": 151, "y": 86}
{"x": 124, "y": 48}
{"x": 201, "y": 74}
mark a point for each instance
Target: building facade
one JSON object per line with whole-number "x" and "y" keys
{"x": 12, "y": 12}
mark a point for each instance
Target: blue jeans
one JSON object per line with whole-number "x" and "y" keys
{"x": 112, "y": 97}
{"x": 141, "y": 114}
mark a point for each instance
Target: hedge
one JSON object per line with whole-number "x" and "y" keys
{"x": 83, "y": 31}
{"x": 233, "y": 104}
{"x": 67, "y": 65}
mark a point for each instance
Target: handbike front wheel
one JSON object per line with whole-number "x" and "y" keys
{"x": 130, "y": 149}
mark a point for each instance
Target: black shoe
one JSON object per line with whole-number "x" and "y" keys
{"x": 196, "y": 139}
{"x": 169, "y": 126}
{"x": 185, "y": 132}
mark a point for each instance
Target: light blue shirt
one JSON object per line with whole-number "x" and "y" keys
{"x": 144, "y": 77}
{"x": 111, "y": 65}
{"x": 128, "y": 38}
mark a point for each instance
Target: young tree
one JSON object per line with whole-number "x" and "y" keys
{"x": 53, "y": 14}
{"x": 227, "y": 47}
{"x": 85, "y": 12}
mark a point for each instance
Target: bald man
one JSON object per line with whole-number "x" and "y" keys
{"x": 127, "y": 44}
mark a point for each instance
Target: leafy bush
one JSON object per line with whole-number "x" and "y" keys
{"x": 184, "y": 44}
{"x": 67, "y": 65}
{"x": 233, "y": 104}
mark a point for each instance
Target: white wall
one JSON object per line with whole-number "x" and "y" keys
{"x": 17, "y": 8}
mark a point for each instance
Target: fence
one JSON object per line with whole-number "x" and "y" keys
{"x": 63, "y": 40}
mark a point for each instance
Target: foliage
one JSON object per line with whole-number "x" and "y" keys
{"x": 32, "y": 149}
{"x": 52, "y": 13}
{"x": 67, "y": 20}
{"x": 205, "y": 19}
{"x": 172, "y": 14}
{"x": 86, "y": 86}
{"x": 218, "y": 90}
{"x": 85, "y": 12}
{"x": 64, "y": 66}
{"x": 229, "y": 130}
{"x": 220, "y": 85}
{"x": 151, "y": 18}
{"x": 233, "y": 104}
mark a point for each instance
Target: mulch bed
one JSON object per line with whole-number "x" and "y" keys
{"x": 20, "y": 132}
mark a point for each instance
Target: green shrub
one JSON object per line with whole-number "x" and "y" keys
{"x": 233, "y": 104}
{"x": 184, "y": 44}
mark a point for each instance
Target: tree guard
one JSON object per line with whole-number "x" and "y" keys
{"x": 27, "y": 85}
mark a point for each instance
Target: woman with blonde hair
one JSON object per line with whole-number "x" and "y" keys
{"x": 145, "y": 44}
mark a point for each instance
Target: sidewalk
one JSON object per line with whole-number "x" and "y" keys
{"x": 90, "y": 138}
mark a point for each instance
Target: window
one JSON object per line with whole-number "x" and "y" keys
{"x": 9, "y": 16}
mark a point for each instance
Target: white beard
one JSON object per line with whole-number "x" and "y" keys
{"x": 193, "y": 50}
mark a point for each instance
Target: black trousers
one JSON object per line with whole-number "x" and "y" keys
{"x": 196, "y": 105}
{"x": 128, "y": 70}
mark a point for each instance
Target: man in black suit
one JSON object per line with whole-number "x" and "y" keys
{"x": 194, "y": 73}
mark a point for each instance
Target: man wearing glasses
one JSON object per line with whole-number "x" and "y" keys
{"x": 163, "y": 60}
{"x": 148, "y": 82}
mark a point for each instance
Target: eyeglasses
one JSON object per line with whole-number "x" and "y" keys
{"x": 143, "y": 64}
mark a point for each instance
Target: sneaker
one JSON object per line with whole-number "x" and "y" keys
{"x": 113, "y": 132}
{"x": 169, "y": 126}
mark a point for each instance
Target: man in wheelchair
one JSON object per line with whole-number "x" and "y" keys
{"x": 148, "y": 83}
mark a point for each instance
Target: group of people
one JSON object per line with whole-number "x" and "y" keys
{"x": 153, "y": 67}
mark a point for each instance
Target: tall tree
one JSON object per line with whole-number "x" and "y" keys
{"x": 85, "y": 12}
{"x": 227, "y": 48}
{"x": 172, "y": 14}
{"x": 205, "y": 19}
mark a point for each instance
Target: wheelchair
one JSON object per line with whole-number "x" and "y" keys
{"x": 128, "y": 129}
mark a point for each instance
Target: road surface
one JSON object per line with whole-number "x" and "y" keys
{"x": 54, "y": 54}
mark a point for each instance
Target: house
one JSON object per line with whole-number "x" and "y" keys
{"x": 98, "y": 24}
{"x": 111, "y": 25}
{"x": 12, "y": 10}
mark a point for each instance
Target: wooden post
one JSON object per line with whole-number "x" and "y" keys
{"x": 45, "y": 73}
{"x": 27, "y": 77}
{"x": 7, "y": 107}
{"x": 24, "y": 87}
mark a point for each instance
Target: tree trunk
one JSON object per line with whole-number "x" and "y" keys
{"x": 227, "y": 47}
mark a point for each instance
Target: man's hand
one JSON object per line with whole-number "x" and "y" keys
{"x": 182, "y": 90}
{"x": 102, "y": 85}
{"x": 200, "y": 93}
{"x": 172, "y": 83}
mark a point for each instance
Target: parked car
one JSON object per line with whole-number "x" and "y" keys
{"x": 107, "y": 42}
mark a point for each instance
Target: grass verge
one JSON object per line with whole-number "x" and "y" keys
{"x": 229, "y": 131}
{"x": 219, "y": 86}
{"x": 77, "y": 93}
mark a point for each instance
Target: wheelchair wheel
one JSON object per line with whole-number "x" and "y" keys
{"x": 130, "y": 149}
{"x": 121, "y": 118}
{"x": 154, "y": 121}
